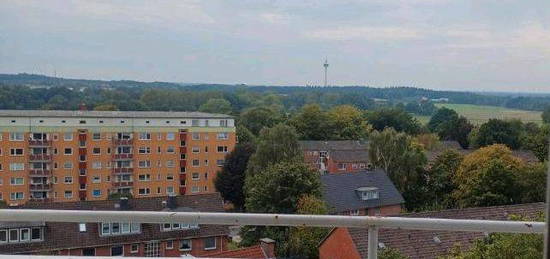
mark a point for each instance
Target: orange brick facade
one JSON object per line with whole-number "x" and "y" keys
{"x": 89, "y": 163}
{"x": 338, "y": 245}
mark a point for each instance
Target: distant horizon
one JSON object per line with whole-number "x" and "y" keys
{"x": 268, "y": 85}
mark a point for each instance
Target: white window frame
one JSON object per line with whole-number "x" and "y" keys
{"x": 210, "y": 248}
{"x": 190, "y": 245}
{"x": 17, "y": 136}
{"x": 68, "y": 136}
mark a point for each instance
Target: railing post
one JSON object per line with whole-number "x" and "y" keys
{"x": 373, "y": 242}
{"x": 547, "y": 229}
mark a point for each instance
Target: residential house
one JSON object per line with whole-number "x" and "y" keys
{"x": 336, "y": 156}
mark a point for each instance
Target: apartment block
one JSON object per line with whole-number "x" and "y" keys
{"x": 88, "y": 155}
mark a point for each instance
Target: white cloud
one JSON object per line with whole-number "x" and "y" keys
{"x": 366, "y": 33}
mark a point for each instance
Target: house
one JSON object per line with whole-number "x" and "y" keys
{"x": 119, "y": 238}
{"x": 351, "y": 243}
{"x": 361, "y": 193}
{"x": 264, "y": 250}
{"x": 336, "y": 156}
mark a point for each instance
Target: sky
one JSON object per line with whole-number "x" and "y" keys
{"x": 474, "y": 45}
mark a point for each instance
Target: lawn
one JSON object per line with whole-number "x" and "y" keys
{"x": 479, "y": 114}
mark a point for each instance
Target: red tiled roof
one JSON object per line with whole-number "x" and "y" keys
{"x": 431, "y": 244}
{"x": 247, "y": 252}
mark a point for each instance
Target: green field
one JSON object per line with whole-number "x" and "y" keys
{"x": 478, "y": 114}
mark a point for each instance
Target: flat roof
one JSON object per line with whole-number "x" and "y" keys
{"x": 109, "y": 114}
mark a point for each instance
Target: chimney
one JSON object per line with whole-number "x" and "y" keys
{"x": 123, "y": 203}
{"x": 268, "y": 247}
{"x": 171, "y": 202}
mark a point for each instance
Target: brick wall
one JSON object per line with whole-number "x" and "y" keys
{"x": 338, "y": 245}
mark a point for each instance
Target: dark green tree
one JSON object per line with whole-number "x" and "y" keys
{"x": 348, "y": 123}
{"x": 395, "y": 118}
{"x": 497, "y": 131}
{"x": 230, "y": 180}
{"x": 440, "y": 178}
{"x": 442, "y": 115}
{"x": 304, "y": 241}
{"x": 312, "y": 123}
{"x": 216, "y": 105}
{"x": 256, "y": 119}
{"x": 546, "y": 115}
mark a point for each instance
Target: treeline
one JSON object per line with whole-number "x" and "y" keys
{"x": 96, "y": 92}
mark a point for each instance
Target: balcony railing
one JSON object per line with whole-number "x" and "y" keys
{"x": 123, "y": 184}
{"x": 40, "y": 157}
{"x": 39, "y": 172}
{"x": 123, "y": 142}
{"x": 40, "y": 142}
{"x": 40, "y": 186}
{"x": 372, "y": 223}
{"x": 123, "y": 170}
{"x": 123, "y": 156}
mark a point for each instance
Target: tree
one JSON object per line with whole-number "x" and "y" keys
{"x": 274, "y": 145}
{"x": 229, "y": 181}
{"x": 118, "y": 195}
{"x": 533, "y": 183}
{"x": 311, "y": 123}
{"x": 256, "y": 119}
{"x": 304, "y": 241}
{"x": 106, "y": 107}
{"x": 244, "y": 135}
{"x": 536, "y": 139}
{"x": 546, "y": 115}
{"x": 403, "y": 161}
{"x": 216, "y": 105}
{"x": 440, "y": 178}
{"x": 428, "y": 141}
{"x": 278, "y": 189}
{"x": 348, "y": 123}
{"x": 395, "y": 118}
{"x": 442, "y": 115}
{"x": 487, "y": 177}
{"x": 389, "y": 253}
{"x": 499, "y": 132}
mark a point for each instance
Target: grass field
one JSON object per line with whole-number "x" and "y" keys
{"x": 478, "y": 114}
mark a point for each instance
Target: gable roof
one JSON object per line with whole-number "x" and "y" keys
{"x": 321, "y": 145}
{"x": 422, "y": 243}
{"x": 61, "y": 235}
{"x": 253, "y": 252}
{"x": 361, "y": 155}
{"x": 339, "y": 190}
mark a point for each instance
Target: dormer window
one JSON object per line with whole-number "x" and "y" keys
{"x": 367, "y": 193}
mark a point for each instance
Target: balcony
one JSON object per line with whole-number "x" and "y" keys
{"x": 182, "y": 190}
{"x": 40, "y": 157}
{"x": 123, "y": 142}
{"x": 40, "y": 143}
{"x": 123, "y": 170}
{"x": 40, "y": 186}
{"x": 123, "y": 156}
{"x": 183, "y": 163}
{"x": 40, "y": 172}
{"x": 123, "y": 184}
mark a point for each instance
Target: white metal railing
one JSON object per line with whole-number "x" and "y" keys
{"x": 373, "y": 223}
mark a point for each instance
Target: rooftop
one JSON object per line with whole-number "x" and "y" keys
{"x": 323, "y": 145}
{"x": 109, "y": 114}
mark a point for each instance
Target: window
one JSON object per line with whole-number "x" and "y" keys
{"x": 25, "y": 235}
{"x": 220, "y": 162}
{"x": 3, "y": 236}
{"x": 16, "y": 151}
{"x": 367, "y": 193}
{"x": 170, "y": 150}
{"x": 88, "y": 251}
{"x": 341, "y": 166}
{"x": 195, "y": 136}
{"x": 68, "y": 151}
{"x": 96, "y": 193}
{"x": 68, "y": 165}
{"x": 16, "y": 181}
{"x": 96, "y": 151}
{"x": 68, "y": 194}
{"x": 222, "y": 149}
{"x": 169, "y": 244}
{"x": 82, "y": 122}
{"x": 223, "y": 123}
{"x": 195, "y": 176}
{"x": 134, "y": 248}
{"x": 117, "y": 228}
{"x": 170, "y": 136}
{"x": 17, "y": 196}
{"x": 354, "y": 212}
{"x": 14, "y": 235}
{"x": 209, "y": 243}
{"x": 68, "y": 180}
{"x": 68, "y": 136}
{"x": 36, "y": 234}
{"x": 96, "y": 179}
{"x": 96, "y": 136}
{"x": 194, "y": 189}
{"x": 170, "y": 190}
{"x": 145, "y": 136}
{"x": 96, "y": 165}
{"x": 185, "y": 245}
{"x": 117, "y": 251}
{"x": 17, "y": 166}
{"x": 144, "y": 150}
{"x": 195, "y": 149}
{"x": 170, "y": 163}
{"x": 222, "y": 135}
{"x": 16, "y": 136}
{"x": 82, "y": 227}
{"x": 195, "y": 123}
{"x": 144, "y": 164}
{"x": 196, "y": 162}
{"x": 144, "y": 191}
{"x": 144, "y": 177}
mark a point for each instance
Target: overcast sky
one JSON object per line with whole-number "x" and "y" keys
{"x": 488, "y": 45}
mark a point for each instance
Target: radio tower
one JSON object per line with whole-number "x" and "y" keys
{"x": 326, "y": 68}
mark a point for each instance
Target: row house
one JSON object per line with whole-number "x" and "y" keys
{"x": 336, "y": 156}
